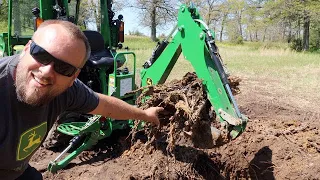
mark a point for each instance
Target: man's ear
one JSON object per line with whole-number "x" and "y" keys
{"x": 25, "y": 48}
{"x": 74, "y": 77}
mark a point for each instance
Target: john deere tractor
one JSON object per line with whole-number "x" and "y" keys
{"x": 105, "y": 71}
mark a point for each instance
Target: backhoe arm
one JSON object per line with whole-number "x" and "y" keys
{"x": 196, "y": 42}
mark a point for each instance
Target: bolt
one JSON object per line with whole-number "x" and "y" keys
{"x": 201, "y": 35}
{"x": 183, "y": 9}
{"x": 181, "y": 28}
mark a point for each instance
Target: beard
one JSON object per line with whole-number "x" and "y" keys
{"x": 32, "y": 96}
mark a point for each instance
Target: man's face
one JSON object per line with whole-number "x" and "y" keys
{"x": 37, "y": 84}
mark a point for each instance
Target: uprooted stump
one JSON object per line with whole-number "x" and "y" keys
{"x": 188, "y": 116}
{"x": 185, "y": 134}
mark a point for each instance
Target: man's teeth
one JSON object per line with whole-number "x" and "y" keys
{"x": 43, "y": 82}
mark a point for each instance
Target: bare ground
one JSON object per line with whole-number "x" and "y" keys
{"x": 281, "y": 141}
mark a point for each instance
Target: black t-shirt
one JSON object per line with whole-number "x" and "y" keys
{"x": 23, "y": 128}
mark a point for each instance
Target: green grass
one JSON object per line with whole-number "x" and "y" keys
{"x": 296, "y": 73}
{"x": 3, "y": 27}
{"x": 138, "y": 42}
{"x": 273, "y": 63}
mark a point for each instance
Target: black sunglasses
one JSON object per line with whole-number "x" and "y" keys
{"x": 45, "y": 58}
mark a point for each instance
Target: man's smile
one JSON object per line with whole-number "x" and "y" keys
{"x": 42, "y": 82}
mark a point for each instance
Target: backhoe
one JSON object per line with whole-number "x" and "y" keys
{"x": 106, "y": 71}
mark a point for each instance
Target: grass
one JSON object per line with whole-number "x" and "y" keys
{"x": 3, "y": 27}
{"x": 294, "y": 72}
{"x": 281, "y": 64}
{"x": 138, "y": 42}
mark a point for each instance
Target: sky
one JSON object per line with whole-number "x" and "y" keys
{"x": 131, "y": 22}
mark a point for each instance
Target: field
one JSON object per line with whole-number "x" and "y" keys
{"x": 279, "y": 95}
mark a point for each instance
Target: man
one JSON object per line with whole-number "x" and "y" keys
{"x": 38, "y": 85}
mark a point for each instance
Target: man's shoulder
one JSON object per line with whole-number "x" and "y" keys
{"x": 74, "y": 89}
{"x": 78, "y": 84}
{"x": 5, "y": 62}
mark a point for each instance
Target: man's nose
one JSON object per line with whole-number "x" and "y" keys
{"x": 47, "y": 70}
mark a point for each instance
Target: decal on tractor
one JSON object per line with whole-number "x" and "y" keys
{"x": 149, "y": 81}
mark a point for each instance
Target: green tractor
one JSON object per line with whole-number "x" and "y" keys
{"x": 106, "y": 73}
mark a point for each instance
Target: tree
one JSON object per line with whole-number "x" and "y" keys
{"x": 314, "y": 7}
{"x": 155, "y": 13}
{"x": 3, "y": 16}
{"x": 22, "y": 16}
{"x": 89, "y": 14}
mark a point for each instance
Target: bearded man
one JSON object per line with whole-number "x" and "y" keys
{"x": 38, "y": 85}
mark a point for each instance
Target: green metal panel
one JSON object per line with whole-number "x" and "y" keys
{"x": 66, "y": 6}
{"x": 105, "y": 24}
{"x": 77, "y": 12}
{"x": 119, "y": 82}
{"x": 3, "y": 44}
{"x": 9, "y": 28}
{"x": 46, "y": 11}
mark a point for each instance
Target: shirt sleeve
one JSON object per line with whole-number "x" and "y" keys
{"x": 81, "y": 98}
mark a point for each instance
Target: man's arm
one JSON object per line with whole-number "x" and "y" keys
{"x": 115, "y": 108}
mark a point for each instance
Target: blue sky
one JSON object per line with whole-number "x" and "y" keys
{"x": 132, "y": 22}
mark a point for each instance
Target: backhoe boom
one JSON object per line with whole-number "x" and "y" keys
{"x": 196, "y": 42}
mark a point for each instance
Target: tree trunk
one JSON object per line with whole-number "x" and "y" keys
{"x": 208, "y": 18}
{"x": 96, "y": 16}
{"x": 153, "y": 22}
{"x": 284, "y": 32}
{"x": 264, "y": 35}
{"x": 318, "y": 40}
{"x": 17, "y": 16}
{"x": 306, "y": 32}
{"x": 222, "y": 25}
{"x": 299, "y": 27}
{"x": 256, "y": 35}
{"x": 290, "y": 32}
{"x": 239, "y": 22}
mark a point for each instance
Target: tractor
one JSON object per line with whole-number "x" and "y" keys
{"x": 106, "y": 70}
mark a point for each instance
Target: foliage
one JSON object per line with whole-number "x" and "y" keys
{"x": 264, "y": 20}
{"x": 136, "y": 33}
{"x": 296, "y": 44}
{"x": 89, "y": 15}
{"x": 22, "y": 17}
{"x": 4, "y": 11}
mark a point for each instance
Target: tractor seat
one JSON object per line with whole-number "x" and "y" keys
{"x": 99, "y": 56}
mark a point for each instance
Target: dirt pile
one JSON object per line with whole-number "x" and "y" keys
{"x": 184, "y": 137}
{"x": 186, "y": 117}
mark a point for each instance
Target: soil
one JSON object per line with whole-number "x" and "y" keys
{"x": 281, "y": 140}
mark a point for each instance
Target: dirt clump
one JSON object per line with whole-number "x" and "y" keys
{"x": 184, "y": 136}
{"x": 186, "y": 117}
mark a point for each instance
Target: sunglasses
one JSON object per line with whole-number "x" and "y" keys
{"x": 45, "y": 58}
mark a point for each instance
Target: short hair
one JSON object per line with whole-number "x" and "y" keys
{"x": 74, "y": 32}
